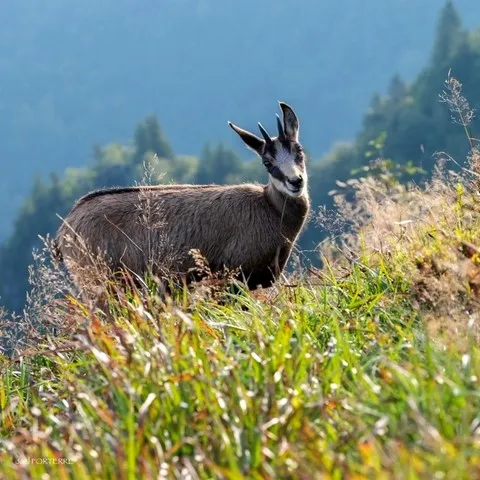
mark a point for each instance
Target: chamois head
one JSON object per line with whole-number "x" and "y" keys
{"x": 283, "y": 155}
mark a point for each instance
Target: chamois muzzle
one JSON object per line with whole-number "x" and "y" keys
{"x": 295, "y": 184}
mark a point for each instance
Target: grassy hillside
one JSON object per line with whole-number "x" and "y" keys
{"x": 368, "y": 368}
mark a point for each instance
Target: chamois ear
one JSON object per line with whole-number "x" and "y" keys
{"x": 252, "y": 141}
{"x": 290, "y": 122}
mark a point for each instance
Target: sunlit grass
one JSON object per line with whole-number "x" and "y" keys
{"x": 331, "y": 379}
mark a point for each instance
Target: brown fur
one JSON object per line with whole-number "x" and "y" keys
{"x": 247, "y": 226}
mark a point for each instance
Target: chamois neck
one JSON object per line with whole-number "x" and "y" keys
{"x": 293, "y": 210}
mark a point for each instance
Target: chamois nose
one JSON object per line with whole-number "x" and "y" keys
{"x": 296, "y": 182}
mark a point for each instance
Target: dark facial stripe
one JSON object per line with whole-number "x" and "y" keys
{"x": 275, "y": 172}
{"x": 270, "y": 150}
{"x": 299, "y": 159}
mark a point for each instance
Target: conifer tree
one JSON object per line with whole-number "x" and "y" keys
{"x": 217, "y": 163}
{"x": 149, "y": 137}
{"x": 449, "y": 34}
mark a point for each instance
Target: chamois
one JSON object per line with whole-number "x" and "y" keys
{"x": 250, "y": 228}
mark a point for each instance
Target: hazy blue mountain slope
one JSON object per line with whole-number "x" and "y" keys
{"x": 78, "y": 73}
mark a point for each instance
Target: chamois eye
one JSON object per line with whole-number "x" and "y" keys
{"x": 267, "y": 164}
